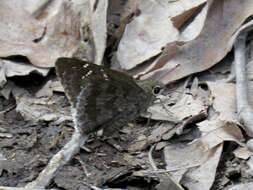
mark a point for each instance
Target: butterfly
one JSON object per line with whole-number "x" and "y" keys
{"x": 101, "y": 97}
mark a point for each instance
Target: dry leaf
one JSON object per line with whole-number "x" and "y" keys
{"x": 245, "y": 186}
{"x": 223, "y": 95}
{"x": 183, "y": 156}
{"x": 213, "y": 43}
{"x": 202, "y": 177}
{"x": 146, "y": 35}
{"x": 55, "y": 34}
{"x": 39, "y": 109}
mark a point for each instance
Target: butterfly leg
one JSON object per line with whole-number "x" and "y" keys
{"x": 59, "y": 160}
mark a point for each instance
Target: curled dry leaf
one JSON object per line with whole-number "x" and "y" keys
{"x": 212, "y": 44}
{"x": 155, "y": 26}
{"x": 224, "y": 101}
{"x": 55, "y": 34}
{"x": 186, "y": 107}
{"x": 39, "y": 109}
{"x": 242, "y": 153}
{"x": 146, "y": 35}
{"x": 60, "y": 29}
{"x": 245, "y": 186}
{"x": 198, "y": 178}
{"x": 99, "y": 28}
{"x": 12, "y": 69}
{"x": 182, "y": 156}
{"x": 204, "y": 153}
{"x": 223, "y": 95}
{"x": 215, "y": 132}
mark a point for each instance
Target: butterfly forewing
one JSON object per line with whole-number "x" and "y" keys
{"x": 101, "y": 96}
{"x": 70, "y": 73}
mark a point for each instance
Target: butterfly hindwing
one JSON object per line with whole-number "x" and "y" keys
{"x": 103, "y": 109}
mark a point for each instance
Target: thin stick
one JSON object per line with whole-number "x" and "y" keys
{"x": 20, "y": 188}
{"x": 152, "y": 163}
{"x": 245, "y": 112}
{"x": 59, "y": 160}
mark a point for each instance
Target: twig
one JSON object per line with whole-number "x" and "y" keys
{"x": 20, "y": 188}
{"x": 97, "y": 188}
{"x": 245, "y": 112}
{"x": 83, "y": 166}
{"x": 152, "y": 163}
{"x": 58, "y": 160}
{"x": 8, "y": 109}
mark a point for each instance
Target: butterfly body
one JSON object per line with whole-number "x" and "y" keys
{"x": 100, "y": 97}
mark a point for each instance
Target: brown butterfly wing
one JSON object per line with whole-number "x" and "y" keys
{"x": 101, "y": 97}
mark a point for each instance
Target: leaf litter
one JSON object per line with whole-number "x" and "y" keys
{"x": 198, "y": 138}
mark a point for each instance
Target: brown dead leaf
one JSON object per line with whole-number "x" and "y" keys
{"x": 39, "y": 109}
{"x": 42, "y": 41}
{"x": 223, "y": 95}
{"x": 146, "y": 35}
{"x": 213, "y": 43}
{"x": 183, "y": 156}
{"x": 245, "y": 186}
{"x": 215, "y": 132}
{"x": 199, "y": 178}
{"x": 242, "y": 153}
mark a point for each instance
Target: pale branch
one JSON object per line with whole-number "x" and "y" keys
{"x": 151, "y": 160}
{"x": 59, "y": 160}
{"x": 244, "y": 110}
{"x": 21, "y": 188}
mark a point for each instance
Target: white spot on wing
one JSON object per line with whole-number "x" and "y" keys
{"x": 85, "y": 65}
{"x": 87, "y": 74}
{"x": 105, "y": 76}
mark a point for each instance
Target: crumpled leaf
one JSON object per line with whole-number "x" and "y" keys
{"x": 6, "y": 90}
{"x": 245, "y": 186}
{"x": 188, "y": 106}
{"x": 42, "y": 40}
{"x": 48, "y": 89}
{"x": 61, "y": 29}
{"x": 215, "y": 132}
{"x": 208, "y": 48}
{"x": 156, "y": 24}
{"x": 198, "y": 178}
{"x": 99, "y": 28}
{"x": 224, "y": 103}
{"x": 242, "y": 153}
{"x": 195, "y": 27}
{"x": 12, "y": 69}
{"x": 192, "y": 159}
{"x": 183, "y": 156}
{"x": 146, "y": 34}
{"x": 39, "y": 109}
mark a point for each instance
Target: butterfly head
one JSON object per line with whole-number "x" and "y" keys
{"x": 150, "y": 86}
